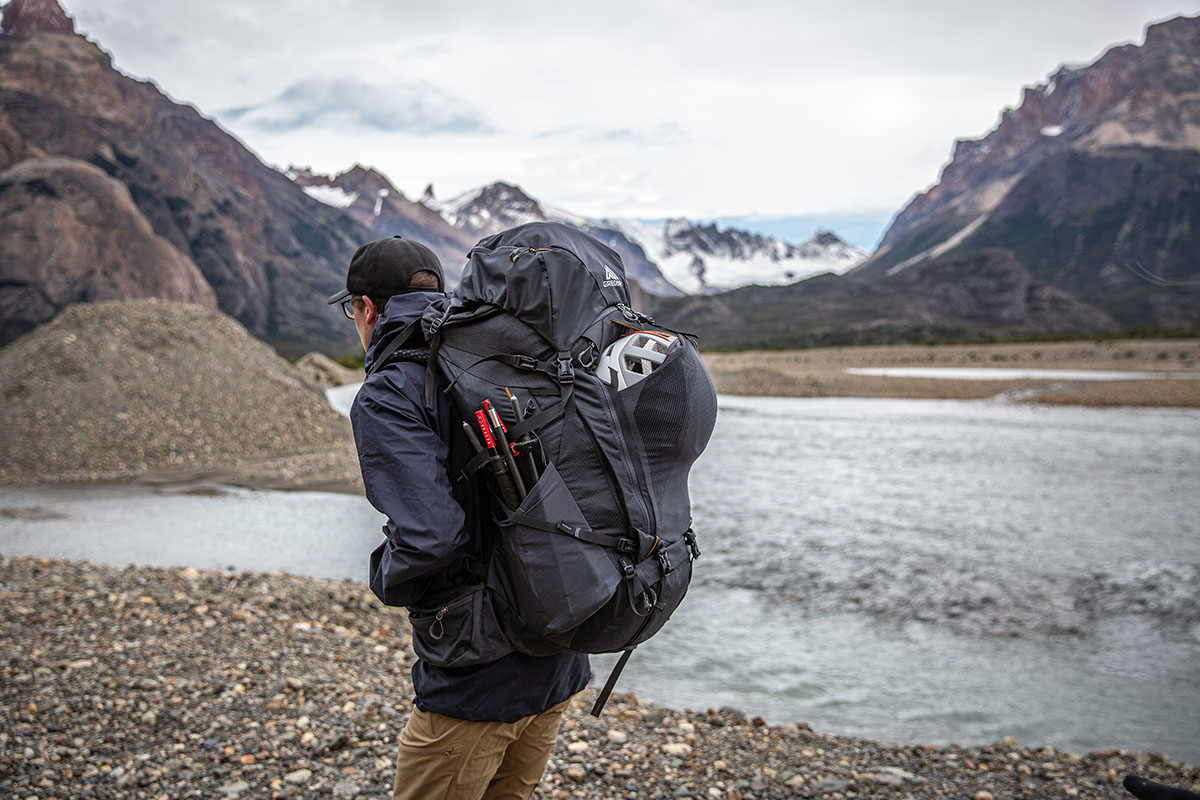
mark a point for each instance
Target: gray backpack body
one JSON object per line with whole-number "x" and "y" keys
{"x": 596, "y": 551}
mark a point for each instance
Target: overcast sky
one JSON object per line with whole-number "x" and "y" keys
{"x": 823, "y": 110}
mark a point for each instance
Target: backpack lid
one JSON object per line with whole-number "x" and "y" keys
{"x": 552, "y": 277}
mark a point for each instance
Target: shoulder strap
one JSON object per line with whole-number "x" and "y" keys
{"x": 395, "y": 343}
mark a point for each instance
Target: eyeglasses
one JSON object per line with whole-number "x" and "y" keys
{"x": 348, "y": 308}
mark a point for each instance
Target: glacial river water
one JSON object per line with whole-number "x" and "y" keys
{"x": 917, "y": 571}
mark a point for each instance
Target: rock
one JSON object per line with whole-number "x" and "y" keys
{"x": 576, "y": 772}
{"x": 47, "y": 268}
{"x": 324, "y": 371}
{"x": 234, "y": 789}
{"x": 676, "y": 748}
{"x": 1010, "y": 742}
{"x": 618, "y": 737}
{"x": 829, "y": 786}
{"x": 342, "y": 790}
{"x": 577, "y": 747}
{"x": 299, "y": 776}
{"x": 984, "y": 794}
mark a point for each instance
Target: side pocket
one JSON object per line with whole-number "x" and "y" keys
{"x": 462, "y": 633}
{"x": 558, "y": 580}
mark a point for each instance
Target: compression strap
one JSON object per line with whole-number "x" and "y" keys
{"x": 611, "y": 682}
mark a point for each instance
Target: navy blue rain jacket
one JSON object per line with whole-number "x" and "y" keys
{"x": 405, "y": 458}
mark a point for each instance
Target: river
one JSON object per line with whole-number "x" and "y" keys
{"x": 910, "y": 570}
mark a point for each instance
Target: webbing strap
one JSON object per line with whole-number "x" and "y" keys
{"x": 394, "y": 344}
{"x": 611, "y": 682}
{"x": 574, "y": 531}
{"x": 543, "y": 417}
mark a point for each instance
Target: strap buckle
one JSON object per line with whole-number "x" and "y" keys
{"x": 570, "y": 530}
{"x": 693, "y": 549}
{"x": 524, "y": 362}
{"x": 626, "y": 569}
{"x": 566, "y": 372}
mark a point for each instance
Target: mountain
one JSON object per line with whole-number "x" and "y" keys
{"x": 667, "y": 259}
{"x": 111, "y": 190}
{"x": 983, "y": 294}
{"x": 704, "y": 258}
{"x": 1092, "y": 184}
{"x": 371, "y": 200}
{"x": 490, "y": 209}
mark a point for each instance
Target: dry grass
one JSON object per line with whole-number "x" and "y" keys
{"x": 820, "y": 372}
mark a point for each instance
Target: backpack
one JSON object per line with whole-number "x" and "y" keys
{"x": 592, "y": 548}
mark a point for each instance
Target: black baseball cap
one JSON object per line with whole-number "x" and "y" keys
{"x": 385, "y": 267}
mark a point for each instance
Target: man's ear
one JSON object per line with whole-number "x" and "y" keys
{"x": 371, "y": 312}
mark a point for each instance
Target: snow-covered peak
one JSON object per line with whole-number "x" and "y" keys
{"x": 488, "y": 209}
{"x": 703, "y": 258}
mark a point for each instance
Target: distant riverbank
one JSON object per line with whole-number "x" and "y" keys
{"x": 188, "y": 683}
{"x": 821, "y": 372}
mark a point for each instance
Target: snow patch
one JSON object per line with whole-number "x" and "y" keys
{"x": 1052, "y": 130}
{"x": 331, "y": 196}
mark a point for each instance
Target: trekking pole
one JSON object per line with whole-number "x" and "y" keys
{"x": 508, "y": 492}
{"x": 531, "y": 446}
{"x": 505, "y": 448}
{"x": 527, "y": 461}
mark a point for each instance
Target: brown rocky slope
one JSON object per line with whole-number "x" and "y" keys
{"x": 269, "y": 252}
{"x": 1093, "y": 183}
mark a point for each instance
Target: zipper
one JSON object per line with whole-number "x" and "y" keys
{"x": 648, "y": 514}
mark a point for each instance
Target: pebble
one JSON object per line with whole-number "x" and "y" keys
{"x": 298, "y": 776}
{"x": 307, "y": 724}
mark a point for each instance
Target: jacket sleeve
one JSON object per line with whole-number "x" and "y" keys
{"x": 404, "y": 459}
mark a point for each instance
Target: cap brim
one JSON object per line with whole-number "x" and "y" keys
{"x": 342, "y": 295}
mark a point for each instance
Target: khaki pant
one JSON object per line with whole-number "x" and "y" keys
{"x": 442, "y": 758}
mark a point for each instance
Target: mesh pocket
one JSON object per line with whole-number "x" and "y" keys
{"x": 557, "y": 580}
{"x": 461, "y": 633}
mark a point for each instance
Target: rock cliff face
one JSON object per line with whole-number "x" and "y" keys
{"x": 22, "y": 17}
{"x": 66, "y": 225}
{"x": 1093, "y": 183}
{"x": 269, "y": 253}
{"x": 372, "y": 201}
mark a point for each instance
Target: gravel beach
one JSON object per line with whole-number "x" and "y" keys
{"x": 176, "y": 683}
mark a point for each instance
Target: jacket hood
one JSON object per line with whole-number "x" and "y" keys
{"x": 401, "y": 310}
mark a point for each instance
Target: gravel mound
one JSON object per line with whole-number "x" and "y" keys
{"x": 164, "y": 391}
{"x": 187, "y": 684}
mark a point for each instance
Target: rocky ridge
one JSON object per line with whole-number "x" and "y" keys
{"x": 268, "y": 252}
{"x": 374, "y": 202}
{"x": 300, "y": 688}
{"x": 1093, "y": 182}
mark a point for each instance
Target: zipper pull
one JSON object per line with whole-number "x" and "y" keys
{"x": 437, "y": 622}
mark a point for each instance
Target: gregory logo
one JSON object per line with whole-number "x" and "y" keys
{"x": 611, "y": 278}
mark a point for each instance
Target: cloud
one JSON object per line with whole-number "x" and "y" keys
{"x": 414, "y": 107}
{"x": 665, "y": 133}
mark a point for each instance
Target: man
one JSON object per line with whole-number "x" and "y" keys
{"x": 477, "y": 732}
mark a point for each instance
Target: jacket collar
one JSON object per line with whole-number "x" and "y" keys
{"x": 401, "y": 310}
